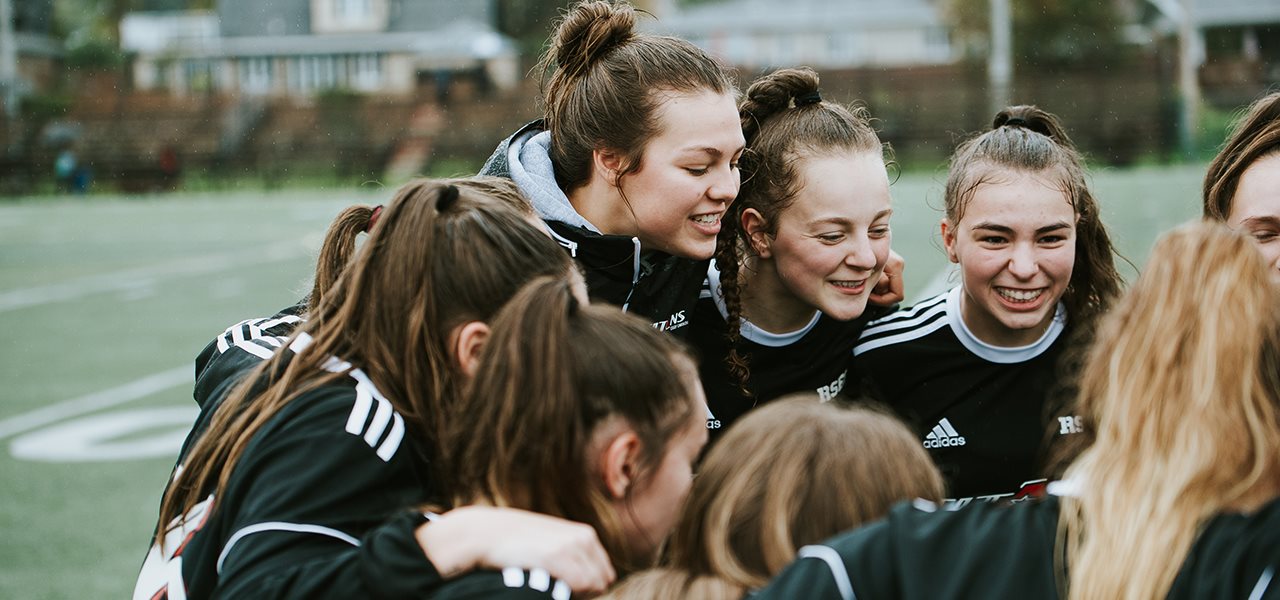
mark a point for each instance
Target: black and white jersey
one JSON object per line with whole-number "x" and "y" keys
{"x": 309, "y": 509}
{"x": 992, "y": 551}
{"x": 240, "y": 348}
{"x": 814, "y": 358}
{"x": 509, "y": 584}
{"x": 979, "y": 409}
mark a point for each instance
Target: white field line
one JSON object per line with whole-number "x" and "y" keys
{"x": 133, "y": 390}
{"x": 132, "y": 279}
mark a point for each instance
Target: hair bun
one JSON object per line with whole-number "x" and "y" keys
{"x": 589, "y": 31}
{"x": 1032, "y": 118}
{"x": 773, "y": 94}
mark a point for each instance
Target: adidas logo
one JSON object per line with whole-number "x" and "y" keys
{"x": 943, "y": 436}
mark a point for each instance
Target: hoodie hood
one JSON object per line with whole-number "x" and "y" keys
{"x": 529, "y": 161}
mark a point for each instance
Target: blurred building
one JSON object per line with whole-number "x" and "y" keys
{"x": 37, "y": 51}
{"x": 301, "y": 47}
{"x": 824, "y": 34}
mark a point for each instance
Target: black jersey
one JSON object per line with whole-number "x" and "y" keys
{"x": 309, "y": 510}
{"x": 240, "y": 348}
{"x": 510, "y": 584}
{"x": 814, "y": 358}
{"x": 980, "y": 410}
{"x": 991, "y": 551}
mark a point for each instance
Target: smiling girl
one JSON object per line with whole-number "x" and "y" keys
{"x": 801, "y": 250}
{"x": 972, "y": 367}
{"x": 1242, "y": 187}
{"x": 634, "y": 162}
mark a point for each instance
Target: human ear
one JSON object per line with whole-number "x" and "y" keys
{"x": 467, "y": 341}
{"x": 609, "y": 164}
{"x": 949, "y": 240}
{"x": 618, "y": 463}
{"x": 756, "y": 227}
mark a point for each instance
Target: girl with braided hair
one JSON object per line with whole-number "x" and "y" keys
{"x": 799, "y": 252}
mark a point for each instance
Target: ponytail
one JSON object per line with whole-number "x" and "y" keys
{"x": 338, "y": 248}
{"x": 552, "y": 371}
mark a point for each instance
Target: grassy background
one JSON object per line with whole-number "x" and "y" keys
{"x": 101, "y": 292}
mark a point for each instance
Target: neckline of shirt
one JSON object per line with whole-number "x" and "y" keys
{"x": 1000, "y": 354}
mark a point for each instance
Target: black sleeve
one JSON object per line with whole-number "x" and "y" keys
{"x": 308, "y": 509}
{"x": 239, "y": 348}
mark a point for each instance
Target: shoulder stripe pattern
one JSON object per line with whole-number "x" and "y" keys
{"x": 369, "y": 401}
{"x": 832, "y": 558}
{"x": 538, "y": 579}
{"x": 252, "y": 329}
{"x": 1264, "y": 582}
{"x": 911, "y": 324}
{"x": 282, "y": 526}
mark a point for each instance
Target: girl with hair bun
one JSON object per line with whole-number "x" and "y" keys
{"x": 799, "y": 252}
{"x": 973, "y": 368}
{"x": 634, "y": 162}
{"x": 1242, "y": 187}
{"x": 1179, "y": 497}
{"x": 755, "y": 502}
{"x": 581, "y": 412}
{"x": 298, "y": 480}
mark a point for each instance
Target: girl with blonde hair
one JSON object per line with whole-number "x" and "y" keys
{"x": 1178, "y": 497}
{"x": 789, "y": 474}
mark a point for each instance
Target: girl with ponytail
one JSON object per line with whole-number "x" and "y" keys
{"x": 634, "y": 162}
{"x": 1178, "y": 497}
{"x": 581, "y": 412}
{"x": 973, "y": 368}
{"x": 298, "y": 478}
{"x": 798, "y": 254}
{"x": 247, "y": 343}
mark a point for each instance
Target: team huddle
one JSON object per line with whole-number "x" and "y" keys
{"x": 655, "y": 350}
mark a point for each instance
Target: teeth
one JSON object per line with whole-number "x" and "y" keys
{"x": 847, "y": 284}
{"x": 1019, "y": 295}
{"x": 710, "y": 219}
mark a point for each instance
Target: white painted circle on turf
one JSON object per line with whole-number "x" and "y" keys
{"x": 96, "y": 438}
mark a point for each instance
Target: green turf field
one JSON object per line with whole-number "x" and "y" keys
{"x": 104, "y": 302}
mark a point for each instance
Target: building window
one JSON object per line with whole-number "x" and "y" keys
{"x": 352, "y": 10}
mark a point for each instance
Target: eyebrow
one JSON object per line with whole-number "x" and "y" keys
{"x": 1267, "y": 220}
{"x": 1006, "y": 229}
{"x": 710, "y": 151}
{"x": 843, "y": 221}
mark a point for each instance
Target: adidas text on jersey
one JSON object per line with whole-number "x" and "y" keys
{"x": 943, "y": 435}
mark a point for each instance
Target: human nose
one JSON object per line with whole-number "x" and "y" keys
{"x": 725, "y": 186}
{"x": 860, "y": 254}
{"x": 1023, "y": 262}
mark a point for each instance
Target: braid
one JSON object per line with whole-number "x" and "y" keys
{"x": 728, "y": 261}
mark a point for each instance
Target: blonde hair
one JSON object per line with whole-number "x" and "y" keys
{"x": 755, "y": 501}
{"x": 1182, "y": 391}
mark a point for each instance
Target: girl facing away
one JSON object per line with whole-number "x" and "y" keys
{"x": 790, "y": 474}
{"x": 251, "y": 341}
{"x": 972, "y": 368}
{"x": 580, "y": 412}
{"x": 1179, "y": 496}
{"x": 1242, "y": 186}
{"x": 634, "y": 162}
{"x": 299, "y": 483}
{"x": 799, "y": 253}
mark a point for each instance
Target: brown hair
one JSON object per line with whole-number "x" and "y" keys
{"x": 443, "y": 253}
{"x": 340, "y": 240}
{"x": 1257, "y": 134}
{"x": 1183, "y": 398}
{"x": 754, "y": 503}
{"x": 1028, "y": 139}
{"x": 551, "y": 372}
{"x": 607, "y": 82}
{"x": 784, "y": 122}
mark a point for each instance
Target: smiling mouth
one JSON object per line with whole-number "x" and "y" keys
{"x": 1020, "y": 296}
{"x": 850, "y": 285}
{"x": 707, "y": 219}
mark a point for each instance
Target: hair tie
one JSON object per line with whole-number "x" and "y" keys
{"x": 811, "y": 98}
{"x": 1015, "y": 122}
{"x": 448, "y": 197}
{"x": 373, "y": 218}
